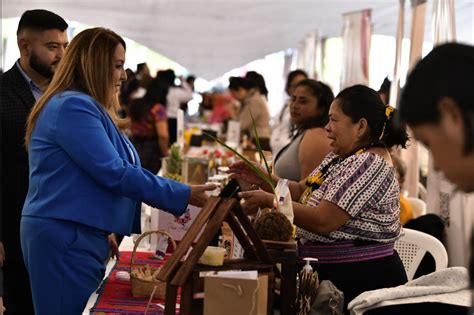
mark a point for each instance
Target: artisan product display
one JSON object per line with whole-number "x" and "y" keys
{"x": 173, "y": 164}
{"x": 273, "y": 225}
{"x": 144, "y": 279}
{"x": 213, "y": 256}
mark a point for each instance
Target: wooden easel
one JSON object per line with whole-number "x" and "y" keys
{"x": 186, "y": 274}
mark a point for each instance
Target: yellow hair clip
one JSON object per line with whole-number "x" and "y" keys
{"x": 388, "y": 111}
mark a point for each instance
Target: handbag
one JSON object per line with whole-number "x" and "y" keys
{"x": 329, "y": 300}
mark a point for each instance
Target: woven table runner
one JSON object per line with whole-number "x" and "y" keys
{"x": 115, "y": 297}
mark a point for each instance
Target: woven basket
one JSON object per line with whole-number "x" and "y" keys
{"x": 144, "y": 288}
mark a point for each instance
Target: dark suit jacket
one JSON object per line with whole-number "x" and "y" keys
{"x": 16, "y": 101}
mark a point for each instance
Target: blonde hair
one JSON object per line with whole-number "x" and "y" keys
{"x": 87, "y": 66}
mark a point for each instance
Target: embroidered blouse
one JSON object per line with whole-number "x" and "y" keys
{"x": 365, "y": 186}
{"x": 145, "y": 128}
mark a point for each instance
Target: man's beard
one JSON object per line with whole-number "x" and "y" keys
{"x": 45, "y": 70}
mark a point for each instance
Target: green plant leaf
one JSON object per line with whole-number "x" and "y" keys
{"x": 259, "y": 147}
{"x": 267, "y": 179}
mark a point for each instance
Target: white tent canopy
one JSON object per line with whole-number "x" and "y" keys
{"x": 211, "y": 37}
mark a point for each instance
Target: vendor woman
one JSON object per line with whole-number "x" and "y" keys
{"x": 348, "y": 214}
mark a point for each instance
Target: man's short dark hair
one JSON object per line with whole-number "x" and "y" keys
{"x": 445, "y": 72}
{"x": 41, "y": 20}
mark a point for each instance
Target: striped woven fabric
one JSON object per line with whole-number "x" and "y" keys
{"x": 115, "y": 297}
{"x": 345, "y": 251}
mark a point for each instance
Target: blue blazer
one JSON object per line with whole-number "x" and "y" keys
{"x": 83, "y": 169}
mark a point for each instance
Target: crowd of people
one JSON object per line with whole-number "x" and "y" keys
{"x": 152, "y": 105}
{"x": 75, "y": 177}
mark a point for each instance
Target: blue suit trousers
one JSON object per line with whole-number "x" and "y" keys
{"x": 65, "y": 262}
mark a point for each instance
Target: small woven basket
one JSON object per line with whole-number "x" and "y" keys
{"x": 142, "y": 287}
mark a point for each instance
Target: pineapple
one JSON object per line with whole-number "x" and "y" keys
{"x": 173, "y": 165}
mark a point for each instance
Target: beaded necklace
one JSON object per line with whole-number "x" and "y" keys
{"x": 313, "y": 182}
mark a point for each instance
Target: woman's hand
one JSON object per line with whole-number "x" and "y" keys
{"x": 198, "y": 195}
{"x": 240, "y": 170}
{"x": 254, "y": 199}
{"x": 114, "y": 248}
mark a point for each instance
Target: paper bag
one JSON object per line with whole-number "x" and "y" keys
{"x": 283, "y": 200}
{"x": 235, "y": 296}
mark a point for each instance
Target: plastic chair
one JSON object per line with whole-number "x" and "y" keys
{"x": 418, "y": 206}
{"x": 413, "y": 245}
{"x": 422, "y": 193}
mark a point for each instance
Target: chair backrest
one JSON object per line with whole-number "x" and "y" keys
{"x": 413, "y": 245}
{"x": 422, "y": 193}
{"x": 418, "y": 207}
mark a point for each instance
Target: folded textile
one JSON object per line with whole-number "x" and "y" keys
{"x": 449, "y": 286}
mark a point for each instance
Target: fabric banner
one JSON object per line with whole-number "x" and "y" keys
{"x": 356, "y": 40}
{"x": 411, "y": 156}
{"x": 395, "y": 87}
{"x": 310, "y": 55}
{"x": 444, "y": 22}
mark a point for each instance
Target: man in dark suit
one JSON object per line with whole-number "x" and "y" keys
{"x": 42, "y": 39}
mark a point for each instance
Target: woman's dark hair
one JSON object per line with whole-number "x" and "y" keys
{"x": 236, "y": 83}
{"x": 141, "y": 66}
{"x": 256, "y": 80}
{"x": 156, "y": 93}
{"x": 291, "y": 76}
{"x": 359, "y": 102}
{"x": 166, "y": 76}
{"x": 446, "y": 71}
{"x": 129, "y": 72}
{"x": 324, "y": 95}
{"x": 385, "y": 89}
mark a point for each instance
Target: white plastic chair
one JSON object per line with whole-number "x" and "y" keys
{"x": 413, "y": 245}
{"x": 418, "y": 206}
{"x": 422, "y": 193}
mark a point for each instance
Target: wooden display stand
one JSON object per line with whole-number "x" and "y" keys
{"x": 186, "y": 274}
{"x": 285, "y": 253}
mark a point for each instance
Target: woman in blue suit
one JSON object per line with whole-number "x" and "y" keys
{"x": 85, "y": 176}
